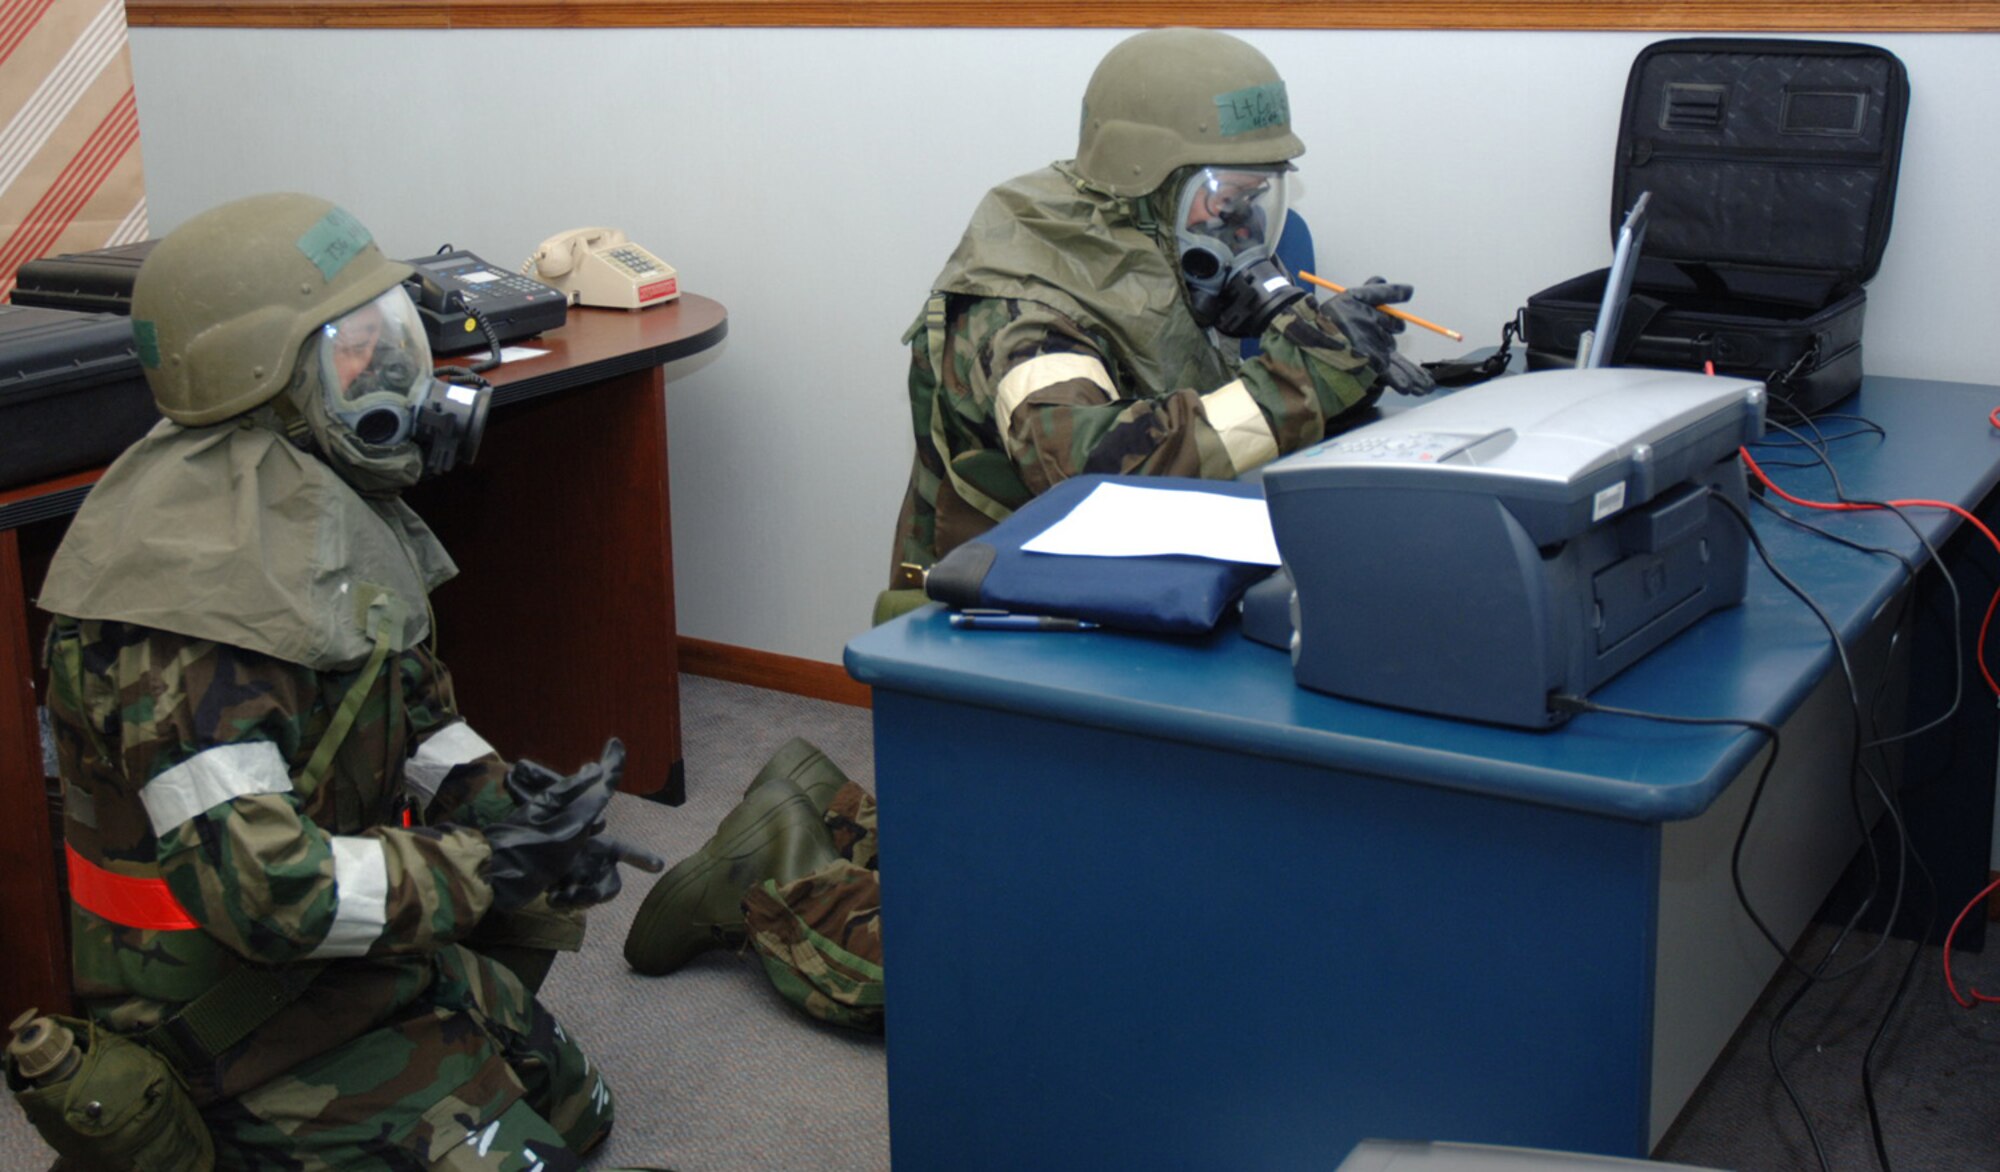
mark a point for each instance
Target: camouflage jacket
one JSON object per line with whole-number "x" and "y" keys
{"x": 193, "y": 850}
{"x": 1058, "y": 341}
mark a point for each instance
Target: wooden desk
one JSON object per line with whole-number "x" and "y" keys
{"x": 559, "y": 630}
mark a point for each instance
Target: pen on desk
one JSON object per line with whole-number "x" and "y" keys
{"x": 983, "y": 621}
{"x": 1391, "y": 310}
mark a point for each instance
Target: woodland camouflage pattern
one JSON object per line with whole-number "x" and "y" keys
{"x": 1052, "y": 263}
{"x": 387, "y": 1060}
{"x": 1305, "y": 377}
{"x": 820, "y": 937}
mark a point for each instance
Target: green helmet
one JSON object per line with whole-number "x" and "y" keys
{"x": 1176, "y": 97}
{"x": 224, "y": 302}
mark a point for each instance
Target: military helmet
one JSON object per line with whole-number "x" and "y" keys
{"x": 1176, "y": 97}
{"x": 224, "y": 302}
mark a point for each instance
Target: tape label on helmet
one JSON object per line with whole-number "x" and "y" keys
{"x": 146, "y": 337}
{"x": 1252, "y": 108}
{"x": 335, "y": 240}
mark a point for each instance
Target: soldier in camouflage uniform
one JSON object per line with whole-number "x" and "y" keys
{"x": 269, "y": 792}
{"x": 1089, "y": 320}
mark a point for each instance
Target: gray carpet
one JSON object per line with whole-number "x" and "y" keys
{"x": 715, "y": 1073}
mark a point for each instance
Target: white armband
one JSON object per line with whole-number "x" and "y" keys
{"x": 210, "y": 778}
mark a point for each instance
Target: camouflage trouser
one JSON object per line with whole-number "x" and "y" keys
{"x": 820, "y": 937}
{"x": 484, "y": 1080}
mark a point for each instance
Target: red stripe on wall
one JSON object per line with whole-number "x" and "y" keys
{"x": 16, "y": 20}
{"x": 59, "y": 205}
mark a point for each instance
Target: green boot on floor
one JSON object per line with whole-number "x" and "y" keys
{"x": 800, "y": 762}
{"x": 774, "y": 833}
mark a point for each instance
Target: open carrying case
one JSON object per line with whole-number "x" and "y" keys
{"x": 1772, "y": 166}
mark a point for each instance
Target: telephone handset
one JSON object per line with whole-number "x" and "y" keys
{"x": 599, "y": 266}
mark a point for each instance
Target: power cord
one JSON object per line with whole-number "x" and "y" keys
{"x": 1568, "y": 703}
{"x": 1908, "y": 854}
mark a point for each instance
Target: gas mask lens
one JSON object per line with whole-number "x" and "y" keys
{"x": 1227, "y": 229}
{"x": 1233, "y": 214}
{"x": 375, "y": 368}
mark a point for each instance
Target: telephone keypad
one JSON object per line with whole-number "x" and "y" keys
{"x": 509, "y": 283}
{"x": 637, "y": 260}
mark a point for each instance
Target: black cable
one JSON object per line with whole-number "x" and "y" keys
{"x": 1855, "y": 768}
{"x": 1778, "y": 1067}
{"x": 1862, "y": 426}
{"x": 1895, "y": 1002}
{"x": 1564, "y": 702}
{"x": 456, "y": 301}
{"x": 1937, "y": 559}
{"x": 1910, "y": 571}
{"x": 1907, "y": 851}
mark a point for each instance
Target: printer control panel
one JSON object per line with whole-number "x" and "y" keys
{"x": 1417, "y": 447}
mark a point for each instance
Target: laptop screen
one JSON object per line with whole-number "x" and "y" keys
{"x": 1617, "y": 286}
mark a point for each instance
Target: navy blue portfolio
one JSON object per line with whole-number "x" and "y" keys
{"x": 1169, "y": 594}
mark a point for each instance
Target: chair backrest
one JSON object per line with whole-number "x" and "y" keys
{"x": 1295, "y": 252}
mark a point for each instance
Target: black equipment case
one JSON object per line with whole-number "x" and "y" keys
{"x": 1772, "y": 166}
{"x": 95, "y": 282}
{"x": 72, "y": 394}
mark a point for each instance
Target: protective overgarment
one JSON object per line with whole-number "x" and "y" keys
{"x": 1059, "y": 340}
{"x": 263, "y": 766}
{"x": 1070, "y": 330}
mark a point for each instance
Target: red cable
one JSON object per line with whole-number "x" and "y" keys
{"x": 1984, "y": 625}
{"x": 1977, "y": 996}
{"x": 1856, "y": 507}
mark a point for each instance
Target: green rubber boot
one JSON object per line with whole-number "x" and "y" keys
{"x": 800, "y": 762}
{"x": 774, "y": 833}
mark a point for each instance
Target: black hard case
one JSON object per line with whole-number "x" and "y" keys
{"x": 1772, "y": 165}
{"x": 95, "y": 282}
{"x": 72, "y": 394}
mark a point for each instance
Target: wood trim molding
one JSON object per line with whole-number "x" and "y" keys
{"x": 1844, "y": 16}
{"x": 779, "y": 673}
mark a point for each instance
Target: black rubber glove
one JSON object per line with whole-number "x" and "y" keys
{"x": 593, "y": 877}
{"x": 1372, "y": 333}
{"x": 556, "y": 816}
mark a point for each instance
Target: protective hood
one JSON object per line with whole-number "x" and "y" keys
{"x": 1052, "y": 237}
{"x": 230, "y": 533}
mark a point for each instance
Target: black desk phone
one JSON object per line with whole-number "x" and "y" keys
{"x": 456, "y": 292}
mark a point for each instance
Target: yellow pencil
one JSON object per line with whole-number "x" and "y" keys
{"x": 1391, "y": 310}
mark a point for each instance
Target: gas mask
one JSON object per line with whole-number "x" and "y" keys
{"x": 380, "y": 415}
{"x": 1226, "y": 228}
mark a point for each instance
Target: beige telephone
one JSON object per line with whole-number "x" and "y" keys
{"x": 598, "y": 266}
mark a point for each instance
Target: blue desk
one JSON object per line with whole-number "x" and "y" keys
{"x": 1152, "y": 905}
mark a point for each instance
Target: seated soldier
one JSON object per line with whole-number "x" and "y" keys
{"x": 295, "y": 870}
{"x": 1089, "y": 321}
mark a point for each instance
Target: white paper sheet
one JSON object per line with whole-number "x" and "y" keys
{"x": 1124, "y": 521}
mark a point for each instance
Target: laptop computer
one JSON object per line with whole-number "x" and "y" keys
{"x": 1617, "y": 288}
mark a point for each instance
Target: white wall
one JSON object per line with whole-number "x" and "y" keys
{"x": 813, "y": 181}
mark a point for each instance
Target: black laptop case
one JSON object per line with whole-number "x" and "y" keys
{"x": 72, "y": 393}
{"x": 1772, "y": 166}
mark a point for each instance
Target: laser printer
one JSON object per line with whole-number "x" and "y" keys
{"x": 1473, "y": 555}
